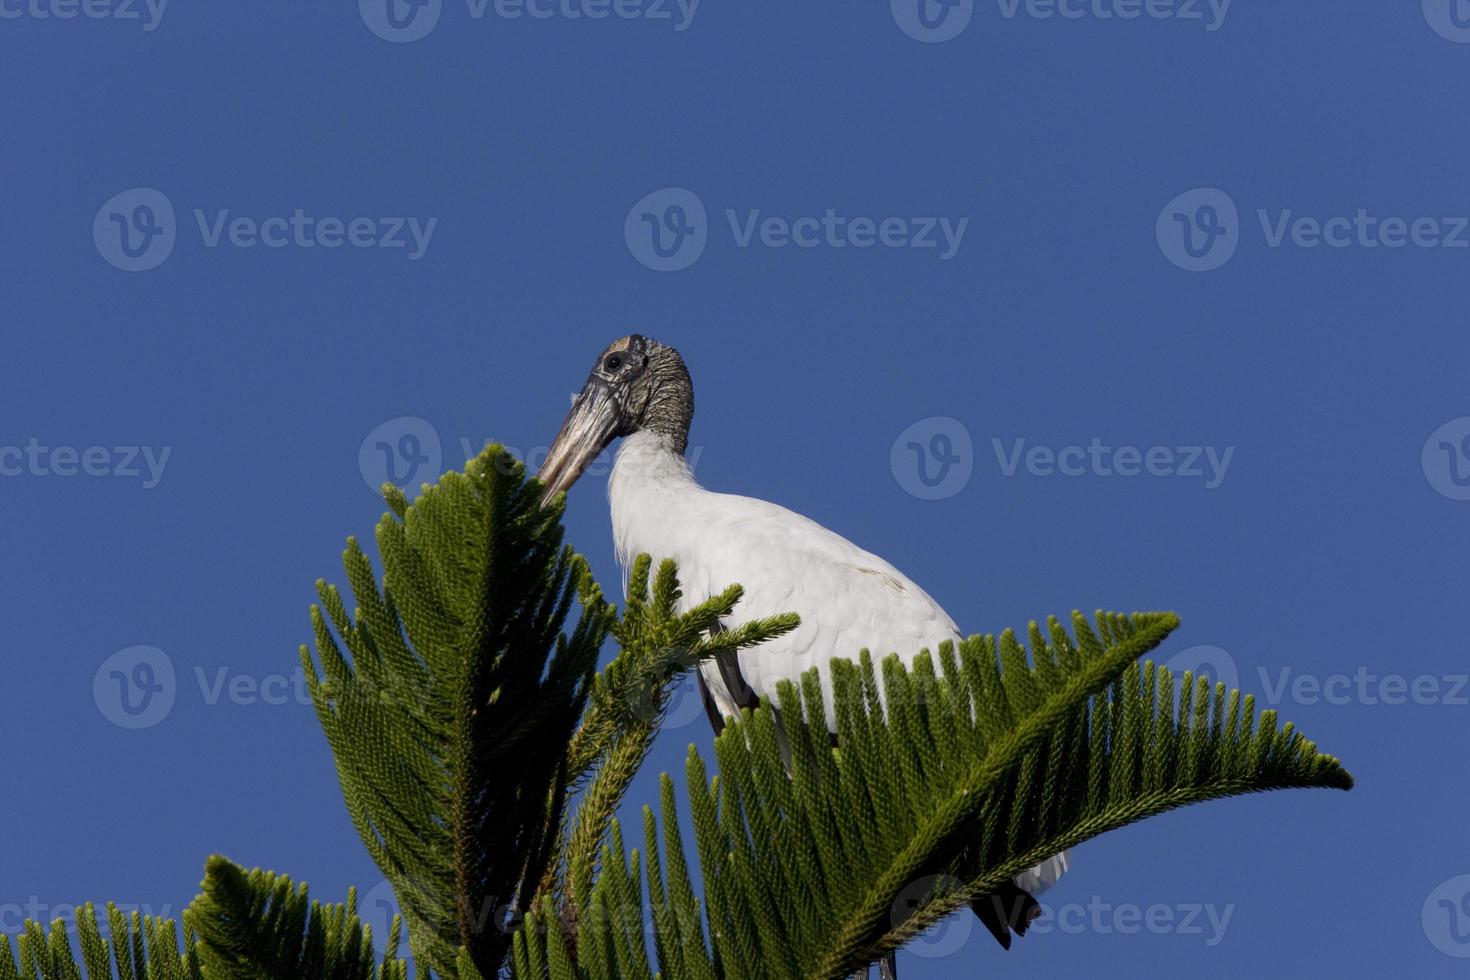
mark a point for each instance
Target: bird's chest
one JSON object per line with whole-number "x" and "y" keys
{"x": 658, "y": 511}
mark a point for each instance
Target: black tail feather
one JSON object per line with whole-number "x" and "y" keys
{"x": 1009, "y": 909}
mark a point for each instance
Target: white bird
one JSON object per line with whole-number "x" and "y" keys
{"x": 848, "y": 599}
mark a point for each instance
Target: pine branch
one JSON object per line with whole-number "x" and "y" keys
{"x": 141, "y": 948}
{"x": 243, "y": 926}
{"x": 970, "y": 771}
{"x": 627, "y": 707}
{"x": 255, "y": 925}
{"x": 450, "y": 710}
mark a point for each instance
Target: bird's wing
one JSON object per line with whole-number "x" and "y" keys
{"x": 848, "y": 598}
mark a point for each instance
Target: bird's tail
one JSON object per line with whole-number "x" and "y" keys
{"x": 1012, "y": 907}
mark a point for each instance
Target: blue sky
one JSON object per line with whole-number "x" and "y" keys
{"x": 1171, "y": 304}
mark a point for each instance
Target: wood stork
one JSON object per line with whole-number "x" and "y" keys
{"x": 848, "y": 599}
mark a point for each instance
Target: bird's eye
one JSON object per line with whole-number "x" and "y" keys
{"x": 613, "y": 363}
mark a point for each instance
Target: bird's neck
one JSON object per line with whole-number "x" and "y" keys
{"x": 649, "y": 459}
{"x": 670, "y": 406}
{"x": 650, "y": 489}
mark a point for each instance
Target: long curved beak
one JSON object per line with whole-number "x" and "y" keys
{"x": 589, "y": 427}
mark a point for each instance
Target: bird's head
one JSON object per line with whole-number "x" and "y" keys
{"x": 637, "y": 384}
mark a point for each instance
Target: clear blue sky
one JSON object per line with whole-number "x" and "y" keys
{"x": 1067, "y": 157}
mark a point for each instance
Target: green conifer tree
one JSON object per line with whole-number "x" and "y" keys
{"x": 483, "y": 757}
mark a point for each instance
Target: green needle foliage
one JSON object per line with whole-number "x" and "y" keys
{"x": 140, "y": 947}
{"x": 954, "y": 782}
{"x": 245, "y": 925}
{"x": 628, "y": 703}
{"x": 483, "y": 757}
{"x": 254, "y": 925}
{"x": 480, "y": 754}
{"x": 450, "y": 721}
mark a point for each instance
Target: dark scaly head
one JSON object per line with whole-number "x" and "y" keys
{"x": 637, "y": 384}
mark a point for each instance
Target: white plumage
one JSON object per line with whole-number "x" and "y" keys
{"x": 848, "y": 599}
